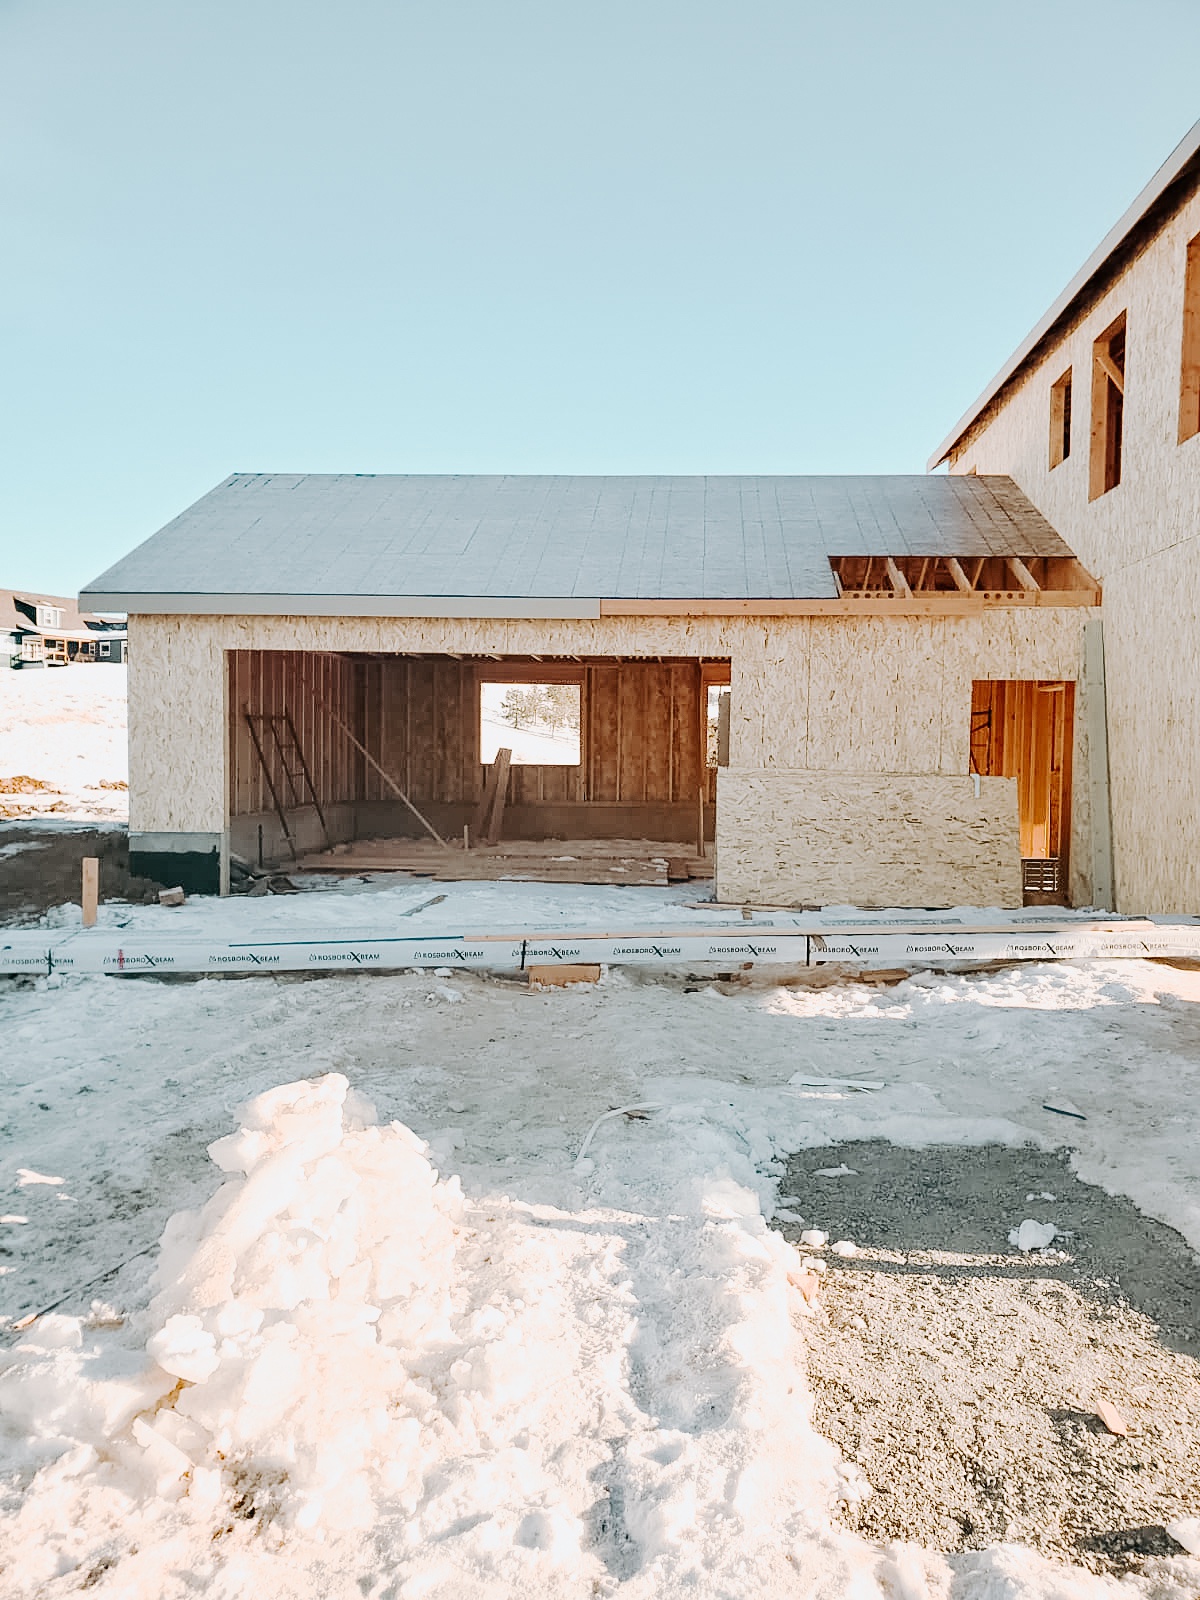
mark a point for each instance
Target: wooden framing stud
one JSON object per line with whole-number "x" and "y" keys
{"x": 1110, "y": 370}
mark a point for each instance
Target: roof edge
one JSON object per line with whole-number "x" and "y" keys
{"x": 1171, "y": 170}
{"x": 506, "y": 608}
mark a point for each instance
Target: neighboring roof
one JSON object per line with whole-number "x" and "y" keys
{"x": 73, "y": 617}
{"x": 88, "y": 634}
{"x": 548, "y": 546}
{"x": 1177, "y": 173}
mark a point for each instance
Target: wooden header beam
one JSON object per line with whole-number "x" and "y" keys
{"x": 931, "y": 603}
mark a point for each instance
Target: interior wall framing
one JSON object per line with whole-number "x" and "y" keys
{"x": 642, "y": 738}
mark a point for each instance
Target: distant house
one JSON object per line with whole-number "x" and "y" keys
{"x": 1096, "y": 416}
{"x": 47, "y": 630}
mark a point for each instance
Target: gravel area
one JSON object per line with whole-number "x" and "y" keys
{"x": 963, "y": 1375}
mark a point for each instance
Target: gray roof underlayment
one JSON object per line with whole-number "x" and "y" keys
{"x": 342, "y": 544}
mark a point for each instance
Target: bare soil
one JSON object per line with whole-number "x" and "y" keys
{"x": 47, "y": 868}
{"x": 962, "y": 1375}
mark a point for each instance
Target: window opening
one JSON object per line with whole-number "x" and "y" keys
{"x": 1189, "y": 383}
{"x": 1108, "y": 408}
{"x": 1060, "y": 420}
{"x": 538, "y": 722}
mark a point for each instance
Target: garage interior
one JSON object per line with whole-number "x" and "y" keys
{"x": 361, "y": 762}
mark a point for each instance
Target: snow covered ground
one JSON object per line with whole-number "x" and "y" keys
{"x": 64, "y": 727}
{"x": 461, "y": 1361}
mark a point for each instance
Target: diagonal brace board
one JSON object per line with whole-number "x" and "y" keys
{"x": 371, "y": 761}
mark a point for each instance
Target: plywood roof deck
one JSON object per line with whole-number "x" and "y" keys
{"x": 584, "y": 547}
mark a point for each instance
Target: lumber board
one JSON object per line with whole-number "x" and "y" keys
{"x": 1023, "y": 575}
{"x": 487, "y": 800}
{"x": 954, "y": 568}
{"x": 502, "y": 764}
{"x": 561, "y": 976}
{"x": 1110, "y": 369}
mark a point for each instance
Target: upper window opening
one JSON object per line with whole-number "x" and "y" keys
{"x": 1189, "y": 385}
{"x": 1108, "y": 409}
{"x": 538, "y": 722}
{"x": 1060, "y": 420}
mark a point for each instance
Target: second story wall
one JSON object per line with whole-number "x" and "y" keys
{"x": 1141, "y": 539}
{"x": 1156, "y": 505}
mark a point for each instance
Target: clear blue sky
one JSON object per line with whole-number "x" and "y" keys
{"x": 534, "y": 235}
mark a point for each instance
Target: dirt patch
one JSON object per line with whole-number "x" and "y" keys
{"x": 24, "y": 784}
{"x": 41, "y": 867}
{"x": 962, "y": 1375}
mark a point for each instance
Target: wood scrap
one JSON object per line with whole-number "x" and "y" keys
{"x": 559, "y": 977}
{"x": 1111, "y": 1418}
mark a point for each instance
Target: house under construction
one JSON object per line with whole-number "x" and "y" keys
{"x": 915, "y": 700}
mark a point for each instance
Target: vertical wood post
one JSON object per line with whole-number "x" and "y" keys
{"x": 1097, "y": 731}
{"x": 91, "y": 890}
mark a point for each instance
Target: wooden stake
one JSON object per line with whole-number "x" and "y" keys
{"x": 91, "y": 889}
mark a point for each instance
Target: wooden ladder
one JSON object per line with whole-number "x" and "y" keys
{"x": 295, "y": 788}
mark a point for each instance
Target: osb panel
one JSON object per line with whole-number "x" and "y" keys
{"x": 829, "y": 838}
{"x": 176, "y": 727}
{"x": 769, "y": 700}
{"x": 1141, "y": 540}
{"x": 1152, "y": 667}
{"x": 876, "y": 696}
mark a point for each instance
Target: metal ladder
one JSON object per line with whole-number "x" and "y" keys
{"x": 295, "y": 789}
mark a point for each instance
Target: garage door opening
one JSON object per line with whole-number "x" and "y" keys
{"x": 391, "y": 756}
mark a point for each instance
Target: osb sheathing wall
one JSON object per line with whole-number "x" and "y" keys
{"x": 1142, "y": 540}
{"x": 819, "y": 694}
{"x": 789, "y": 838}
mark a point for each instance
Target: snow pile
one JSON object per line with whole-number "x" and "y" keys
{"x": 1033, "y": 1235}
{"x": 344, "y": 1370}
{"x": 290, "y": 1315}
